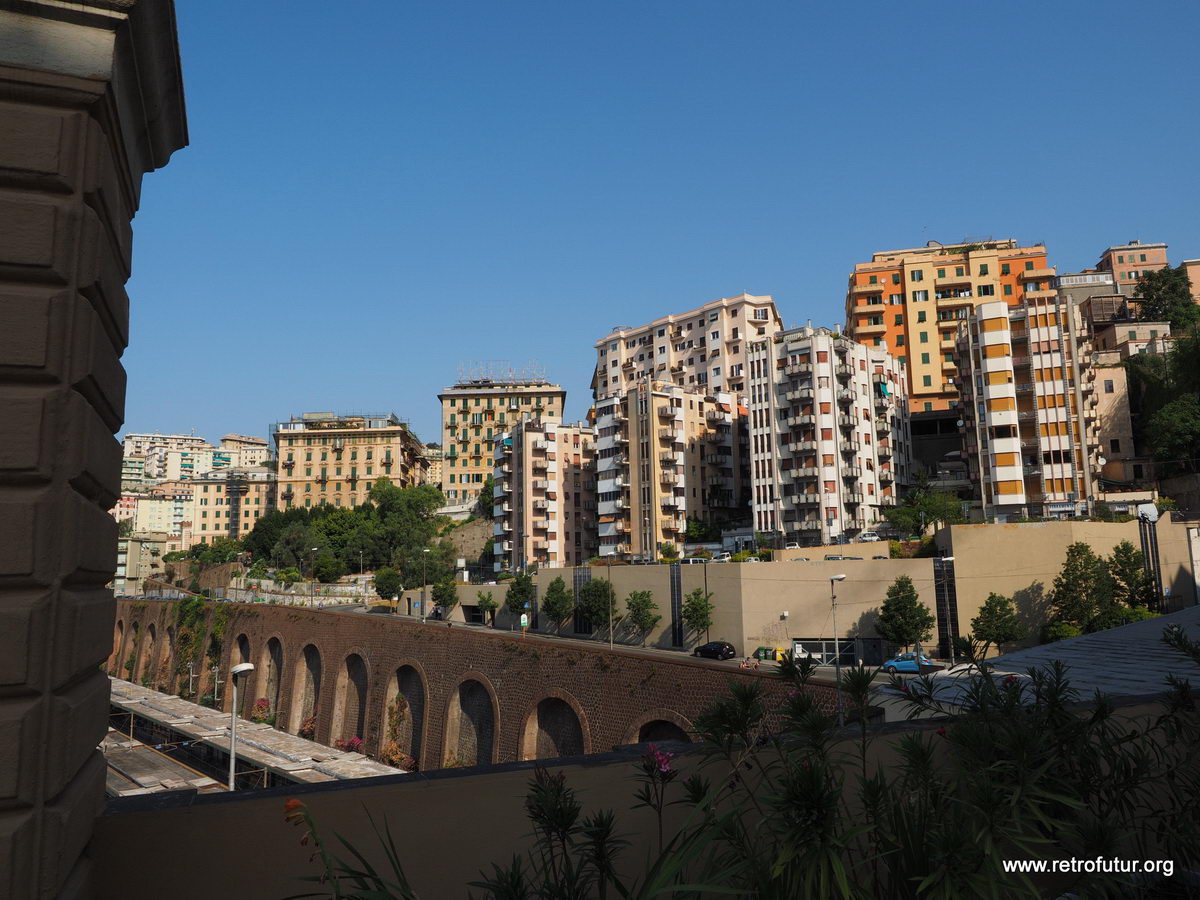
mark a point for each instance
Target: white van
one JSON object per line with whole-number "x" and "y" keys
{"x": 722, "y": 557}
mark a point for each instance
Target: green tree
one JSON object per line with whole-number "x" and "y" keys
{"x": 699, "y": 532}
{"x": 697, "y": 611}
{"x": 668, "y": 551}
{"x": 598, "y": 601}
{"x": 1081, "y": 588}
{"x": 327, "y": 568}
{"x": 445, "y": 595}
{"x": 923, "y": 508}
{"x": 288, "y": 575}
{"x": 641, "y": 611}
{"x": 1166, "y": 296}
{"x": 519, "y": 596}
{"x": 125, "y": 528}
{"x": 558, "y": 605}
{"x": 1131, "y": 586}
{"x": 487, "y": 496}
{"x": 258, "y": 570}
{"x": 997, "y": 623}
{"x": 903, "y": 618}
{"x": 487, "y": 606}
{"x": 388, "y": 583}
{"x": 1173, "y": 433}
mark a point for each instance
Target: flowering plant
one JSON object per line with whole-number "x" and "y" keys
{"x": 351, "y": 744}
{"x": 261, "y": 710}
{"x": 308, "y": 728}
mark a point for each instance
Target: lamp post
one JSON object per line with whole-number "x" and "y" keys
{"x": 837, "y": 649}
{"x": 424, "y": 579}
{"x": 940, "y": 579}
{"x": 312, "y": 576}
{"x": 237, "y": 670}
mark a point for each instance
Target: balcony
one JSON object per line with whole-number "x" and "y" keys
{"x": 1037, "y": 274}
{"x": 954, "y": 301}
{"x": 853, "y": 498}
{"x": 541, "y": 444}
{"x": 813, "y": 499}
{"x": 852, "y": 472}
{"x": 866, "y": 329}
{"x": 800, "y": 446}
{"x": 886, "y": 476}
{"x": 841, "y": 370}
{"x": 846, "y": 421}
{"x": 537, "y": 504}
{"x": 884, "y": 451}
{"x": 667, "y": 458}
{"x": 669, "y": 412}
{"x": 846, "y": 397}
{"x": 539, "y": 465}
{"x": 799, "y": 418}
{"x": 288, "y": 494}
{"x": 798, "y": 368}
{"x": 803, "y": 472}
{"x": 883, "y": 425}
{"x": 541, "y": 524}
{"x": 859, "y": 289}
{"x": 541, "y": 485}
{"x": 669, "y": 434}
{"x": 850, "y": 448}
{"x": 1041, "y": 295}
{"x": 288, "y": 464}
{"x": 717, "y": 415}
{"x": 800, "y": 394}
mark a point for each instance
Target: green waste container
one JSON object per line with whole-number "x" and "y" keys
{"x": 765, "y": 653}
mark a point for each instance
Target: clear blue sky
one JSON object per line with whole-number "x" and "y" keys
{"x": 375, "y": 192}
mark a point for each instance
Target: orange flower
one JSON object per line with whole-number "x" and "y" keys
{"x": 292, "y": 804}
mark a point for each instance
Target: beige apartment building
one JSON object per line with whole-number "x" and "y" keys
{"x": 666, "y": 453}
{"x": 246, "y": 450}
{"x": 1192, "y": 268}
{"x": 544, "y": 493}
{"x": 139, "y": 557}
{"x": 227, "y": 504}
{"x": 476, "y": 411}
{"x": 325, "y": 458}
{"x": 911, "y": 301}
{"x": 161, "y": 514}
{"x": 1128, "y": 262}
{"x": 829, "y": 435}
{"x": 435, "y": 457}
{"x": 703, "y": 349}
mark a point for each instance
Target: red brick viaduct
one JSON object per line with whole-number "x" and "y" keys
{"x": 457, "y": 696}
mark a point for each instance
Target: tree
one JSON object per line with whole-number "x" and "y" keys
{"x": 1131, "y": 586}
{"x": 558, "y": 605}
{"x": 487, "y": 496}
{"x": 1173, "y": 433}
{"x": 668, "y": 551}
{"x": 997, "y": 623}
{"x": 1081, "y": 588}
{"x": 327, "y": 568}
{"x": 445, "y": 595}
{"x": 288, "y": 576}
{"x": 125, "y": 528}
{"x": 487, "y": 606}
{"x": 1166, "y": 296}
{"x": 699, "y": 532}
{"x": 598, "y": 601}
{"x": 641, "y": 612}
{"x": 519, "y": 596}
{"x": 258, "y": 570}
{"x": 387, "y": 583}
{"x": 903, "y": 618}
{"x": 697, "y": 611}
{"x": 922, "y": 508}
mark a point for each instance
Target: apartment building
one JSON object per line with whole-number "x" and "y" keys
{"x": 1192, "y": 268}
{"x": 139, "y": 557}
{"x": 544, "y": 495}
{"x": 326, "y": 458}
{"x": 666, "y": 453}
{"x": 161, "y": 514}
{"x": 133, "y": 473}
{"x": 228, "y": 503}
{"x": 140, "y": 444}
{"x": 476, "y": 411}
{"x": 174, "y": 463}
{"x": 910, "y": 302}
{"x": 246, "y": 450}
{"x": 435, "y": 456}
{"x": 1030, "y": 408}
{"x": 829, "y": 435}
{"x": 1128, "y": 262}
{"x": 126, "y": 507}
{"x": 703, "y": 349}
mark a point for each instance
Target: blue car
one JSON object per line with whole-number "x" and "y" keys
{"x": 911, "y": 663}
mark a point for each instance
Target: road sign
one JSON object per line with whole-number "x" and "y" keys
{"x": 524, "y": 620}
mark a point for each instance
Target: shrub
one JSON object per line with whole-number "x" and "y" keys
{"x": 261, "y": 710}
{"x": 350, "y": 744}
{"x": 1058, "y": 631}
{"x": 308, "y": 728}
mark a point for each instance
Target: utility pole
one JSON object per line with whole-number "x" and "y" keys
{"x": 216, "y": 670}
{"x": 192, "y": 676}
{"x": 837, "y": 647}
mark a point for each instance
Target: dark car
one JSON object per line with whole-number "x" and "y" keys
{"x": 716, "y": 650}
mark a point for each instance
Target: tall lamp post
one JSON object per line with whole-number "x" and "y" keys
{"x": 312, "y": 576}
{"x": 941, "y": 580}
{"x": 837, "y": 647}
{"x": 240, "y": 669}
{"x": 424, "y": 579}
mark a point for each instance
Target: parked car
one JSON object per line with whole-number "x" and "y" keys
{"x": 791, "y": 546}
{"x": 752, "y": 559}
{"x": 800, "y": 559}
{"x": 693, "y": 561}
{"x": 722, "y": 557}
{"x": 715, "y": 650}
{"x": 880, "y": 557}
{"x": 868, "y": 536}
{"x": 913, "y": 663}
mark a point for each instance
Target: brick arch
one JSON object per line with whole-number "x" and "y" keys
{"x": 637, "y": 731}
{"x": 114, "y": 658}
{"x": 133, "y": 642}
{"x": 308, "y": 671}
{"x": 472, "y": 723}
{"x": 240, "y": 651}
{"x": 554, "y": 725}
{"x": 352, "y": 687}
{"x": 268, "y": 681}
{"x": 146, "y": 651}
{"x": 413, "y": 734}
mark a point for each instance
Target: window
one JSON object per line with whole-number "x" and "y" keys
{"x": 941, "y": 273}
{"x": 959, "y": 271}
{"x": 899, "y": 319}
{"x": 987, "y": 290}
{"x": 899, "y": 340}
{"x": 1120, "y": 259}
{"x": 1153, "y": 333}
{"x": 871, "y": 280}
{"x": 920, "y": 296}
{"x": 983, "y": 268}
{"x": 927, "y": 381}
{"x": 1114, "y": 446}
{"x": 925, "y": 359}
{"x": 928, "y": 406}
{"x": 1029, "y": 265}
{"x": 921, "y": 315}
{"x": 924, "y": 338}
{"x": 1004, "y": 269}
{"x": 1108, "y": 386}
{"x": 1133, "y": 335}
{"x": 1142, "y": 258}
{"x": 1008, "y": 290}
{"x": 903, "y": 360}
{"x": 895, "y": 299}
{"x": 895, "y": 278}
{"x": 918, "y": 275}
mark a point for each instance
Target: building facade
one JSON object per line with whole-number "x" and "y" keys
{"x": 475, "y": 412}
{"x": 1128, "y": 262}
{"x": 228, "y": 504}
{"x": 703, "y": 349}
{"x": 435, "y": 457}
{"x": 139, "y": 444}
{"x": 246, "y": 450}
{"x": 325, "y": 458}
{"x": 829, "y": 435}
{"x": 667, "y": 454}
{"x": 544, "y": 493}
{"x": 910, "y": 302}
{"x": 139, "y": 557}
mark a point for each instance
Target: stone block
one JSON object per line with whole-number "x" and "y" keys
{"x": 17, "y": 829}
{"x": 39, "y": 147}
{"x": 18, "y": 538}
{"x": 91, "y": 456}
{"x": 36, "y": 242}
{"x": 24, "y": 619}
{"x": 68, "y": 819}
{"x": 24, "y": 451}
{"x": 20, "y": 752}
{"x": 78, "y": 718}
{"x": 83, "y": 632}
{"x": 25, "y": 331}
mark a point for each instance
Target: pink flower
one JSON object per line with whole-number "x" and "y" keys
{"x": 1010, "y": 680}
{"x": 941, "y": 732}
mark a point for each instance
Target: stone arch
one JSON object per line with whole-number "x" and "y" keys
{"x": 240, "y": 653}
{"x": 147, "y": 653}
{"x": 554, "y": 726}
{"x": 306, "y": 690}
{"x": 269, "y": 684}
{"x": 128, "y": 665}
{"x": 659, "y": 725}
{"x": 166, "y": 659}
{"x": 406, "y": 698}
{"x": 472, "y": 723}
{"x": 350, "y": 699}
{"x": 114, "y": 658}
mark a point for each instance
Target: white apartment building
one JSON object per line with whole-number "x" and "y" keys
{"x": 142, "y": 444}
{"x": 829, "y": 435}
{"x": 703, "y": 349}
{"x": 544, "y": 490}
{"x": 161, "y": 514}
{"x": 665, "y": 454}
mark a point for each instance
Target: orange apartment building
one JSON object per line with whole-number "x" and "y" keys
{"x": 1128, "y": 262}
{"x": 912, "y": 301}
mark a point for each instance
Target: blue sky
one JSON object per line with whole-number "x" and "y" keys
{"x": 377, "y": 192}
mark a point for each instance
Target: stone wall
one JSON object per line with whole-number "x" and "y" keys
{"x": 471, "y": 696}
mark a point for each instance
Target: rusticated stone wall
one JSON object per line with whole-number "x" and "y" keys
{"x": 471, "y": 695}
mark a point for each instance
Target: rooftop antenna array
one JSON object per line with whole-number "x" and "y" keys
{"x": 500, "y": 371}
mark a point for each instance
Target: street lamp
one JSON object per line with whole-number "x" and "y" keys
{"x": 940, "y": 579}
{"x": 424, "y": 579}
{"x": 312, "y": 575}
{"x": 837, "y": 649}
{"x": 237, "y": 670}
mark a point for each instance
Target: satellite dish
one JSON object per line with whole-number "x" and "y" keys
{"x": 1147, "y": 512}
{"x": 960, "y": 423}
